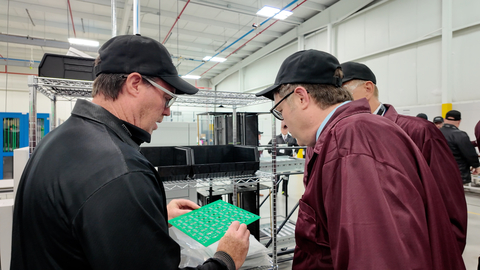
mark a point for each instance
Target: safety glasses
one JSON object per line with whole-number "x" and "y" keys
{"x": 169, "y": 102}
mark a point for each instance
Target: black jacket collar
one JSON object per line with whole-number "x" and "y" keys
{"x": 126, "y": 131}
{"x": 450, "y": 126}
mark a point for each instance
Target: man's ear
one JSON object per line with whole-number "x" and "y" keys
{"x": 369, "y": 89}
{"x": 132, "y": 83}
{"x": 303, "y": 98}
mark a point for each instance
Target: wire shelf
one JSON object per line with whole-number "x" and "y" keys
{"x": 69, "y": 89}
{"x": 259, "y": 177}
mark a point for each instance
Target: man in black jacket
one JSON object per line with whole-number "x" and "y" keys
{"x": 88, "y": 199}
{"x": 462, "y": 149}
{"x": 284, "y": 139}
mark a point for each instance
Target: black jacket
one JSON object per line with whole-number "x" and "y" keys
{"x": 290, "y": 142}
{"x": 462, "y": 149}
{"x": 88, "y": 199}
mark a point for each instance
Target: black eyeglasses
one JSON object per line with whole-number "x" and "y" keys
{"x": 276, "y": 113}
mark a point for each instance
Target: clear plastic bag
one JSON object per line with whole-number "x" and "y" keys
{"x": 194, "y": 253}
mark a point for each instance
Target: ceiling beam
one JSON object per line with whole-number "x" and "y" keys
{"x": 314, "y": 6}
{"x": 245, "y": 10}
{"x": 335, "y": 13}
{"x": 51, "y": 43}
{"x": 200, "y": 55}
{"x": 145, "y": 26}
{"x": 185, "y": 17}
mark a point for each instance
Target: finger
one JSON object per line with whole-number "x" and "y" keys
{"x": 242, "y": 227}
{"x": 234, "y": 226}
{"x": 246, "y": 234}
{"x": 183, "y": 211}
{"x": 188, "y": 204}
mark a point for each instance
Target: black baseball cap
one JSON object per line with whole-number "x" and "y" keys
{"x": 422, "y": 115}
{"x": 309, "y": 67}
{"x": 260, "y": 132}
{"x": 357, "y": 71}
{"x": 453, "y": 115}
{"x": 134, "y": 53}
{"x": 438, "y": 119}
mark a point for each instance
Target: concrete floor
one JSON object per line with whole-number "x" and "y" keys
{"x": 296, "y": 189}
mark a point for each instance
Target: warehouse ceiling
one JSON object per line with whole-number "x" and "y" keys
{"x": 190, "y": 29}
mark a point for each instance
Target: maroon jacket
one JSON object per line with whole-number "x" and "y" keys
{"x": 370, "y": 200}
{"x": 431, "y": 142}
{"x": 477, "y": 135}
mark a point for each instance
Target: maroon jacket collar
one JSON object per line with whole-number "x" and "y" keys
{"x": 349, "y": 109}
{"x": 391, "y": 113}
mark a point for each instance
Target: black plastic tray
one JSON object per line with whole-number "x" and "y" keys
{"x": 66, "y": 67}
{"x": 173, "y": 163}
{"x": 224, "y": 160}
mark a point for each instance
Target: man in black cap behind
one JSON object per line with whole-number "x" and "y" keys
{"x": 368, "y": 189}
{"x": 438, "y": 121}
{"x": 361, "y": 82}
{"x": 88, "y": 199}
{"x": 423, "y": 116}
{"x": 460, "y": 145}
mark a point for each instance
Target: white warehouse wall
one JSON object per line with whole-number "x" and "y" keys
{"x": 400, "y": 40}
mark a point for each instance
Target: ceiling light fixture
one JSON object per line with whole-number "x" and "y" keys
{"x": 267, "y": 11}
{"x": 195, "y": 77}
{"x": 214, "y": 59}
{"x": 84, "y": 42}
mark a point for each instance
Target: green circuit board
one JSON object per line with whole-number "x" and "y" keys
{"x": 209, "y": 223}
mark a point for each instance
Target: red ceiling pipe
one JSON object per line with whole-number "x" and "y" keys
{"x": 15, "y": 73}
{"x": 71, "y": 17}
{"x": 178, "y": 17}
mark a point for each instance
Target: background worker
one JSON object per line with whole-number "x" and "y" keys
{"x": 460, "y": 145}
{"x": 285, "y": 139}
{"x": 438, "y": 121}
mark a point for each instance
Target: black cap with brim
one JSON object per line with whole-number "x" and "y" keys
{"x": 438, "y": 119}
{"x": 307, "y": 67}
{"x": 453, "y": 115}
{"x": 268, "y": 93}
{"x": 134, "y": 53}
{"x": 357, "y": 71}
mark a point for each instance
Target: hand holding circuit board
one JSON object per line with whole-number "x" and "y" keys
{"x": 209, "y": 223}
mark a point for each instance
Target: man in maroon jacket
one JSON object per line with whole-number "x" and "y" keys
{"x": 361, "y": 82}
{"x": 370, "y": 200}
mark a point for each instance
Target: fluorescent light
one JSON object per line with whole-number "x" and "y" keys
{"x": 84, "y": 42}
{"x": 267, "y": 11}
{"x": 214, "y": 59}
{"x": 195, "y": 77}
